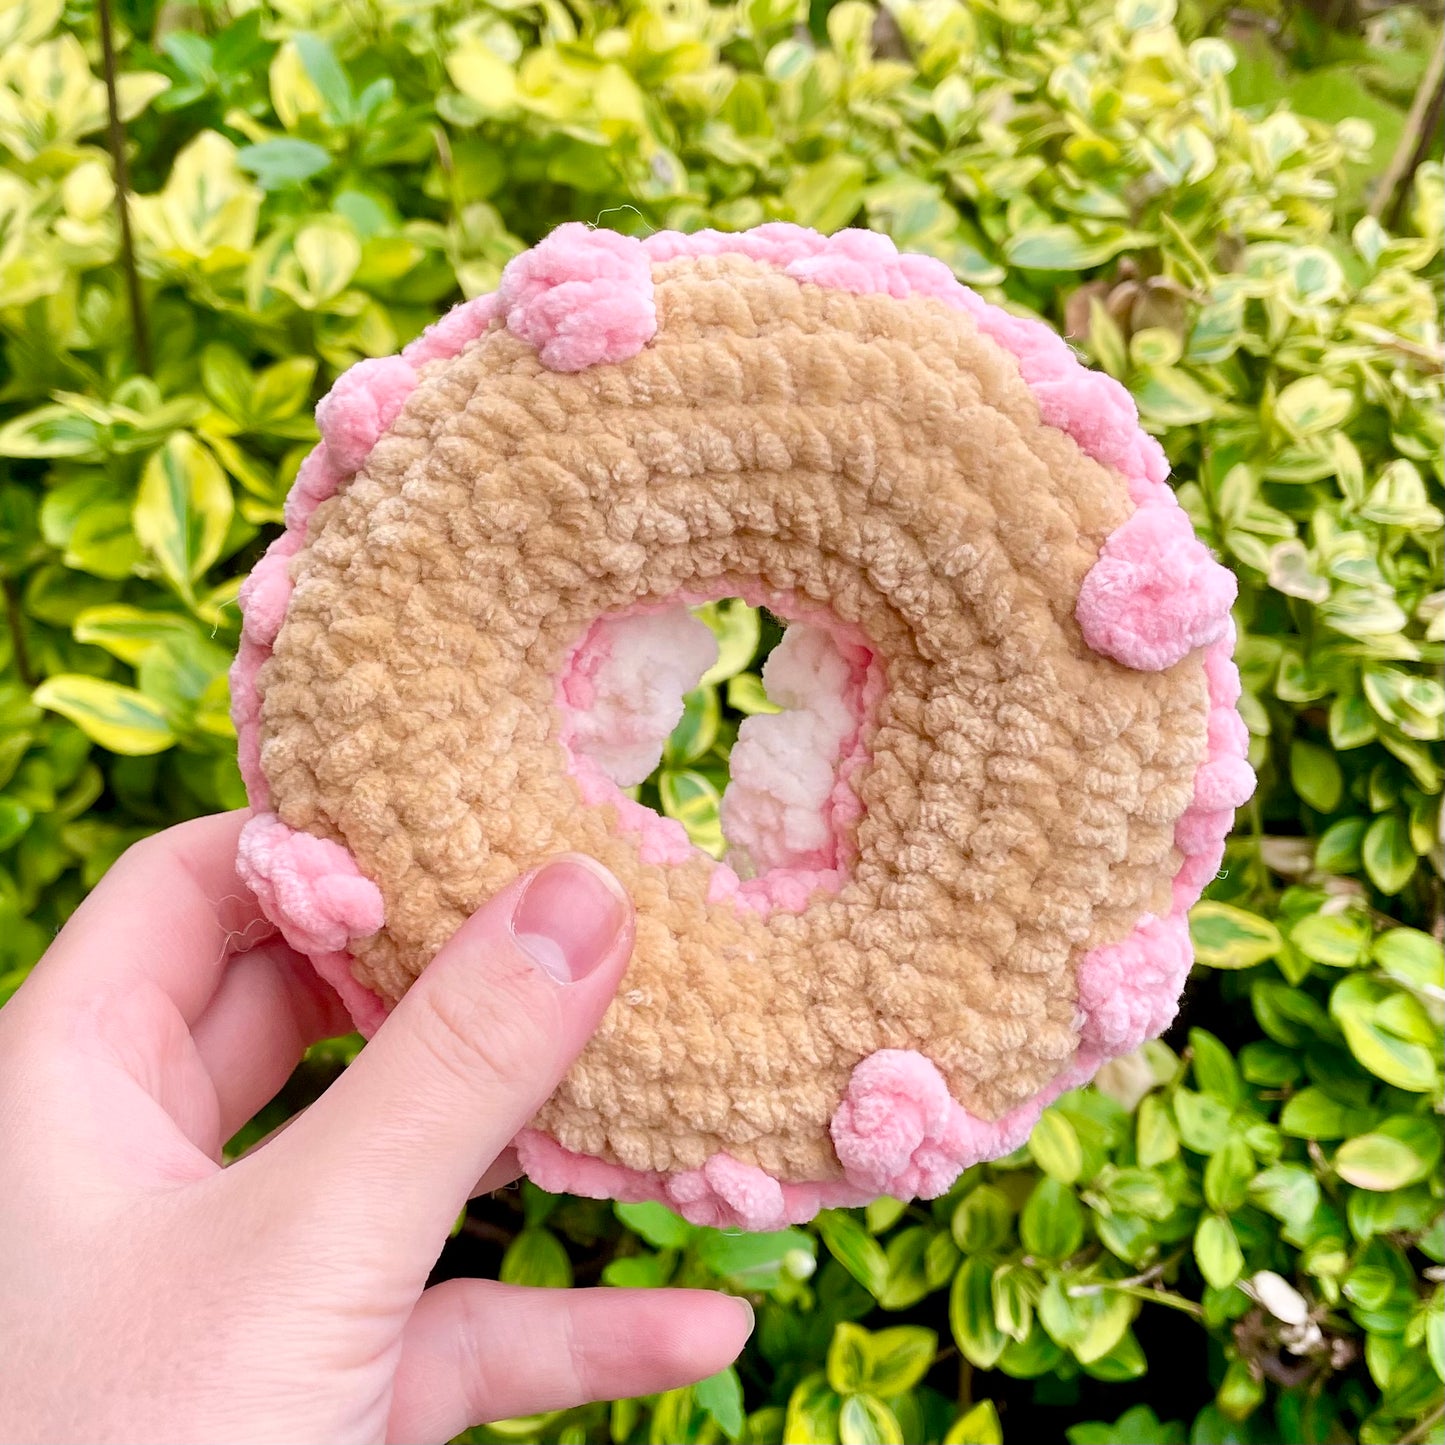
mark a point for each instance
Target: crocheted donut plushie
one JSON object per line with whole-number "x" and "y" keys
{"x": 961, "y": 857}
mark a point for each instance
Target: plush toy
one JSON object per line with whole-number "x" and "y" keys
{"x": 960, "y": 857}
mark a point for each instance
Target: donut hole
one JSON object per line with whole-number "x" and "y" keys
{"x": 721, "y": 726}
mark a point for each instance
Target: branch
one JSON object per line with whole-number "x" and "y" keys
{"x": 1147, "y": 1277}
{"x": 16, "y": 619}
{"x": 116, "y": 139}
{"x": 1414, "y": 139}
{"x": 1422, "y": 1428}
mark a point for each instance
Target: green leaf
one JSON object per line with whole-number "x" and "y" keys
{"x": 1316, "y": 775}
{"x": 283, "y": 162}
{"x": 1288, "y": 1191}
{"x": 639, "y": 1271}
{"x": 228, "y": 380}
{"x": 866, "y": 1420}
{"x": 907, "y": 1281}
{"x": 1378, "y": 1162}
{"x": 1411, "y": 956}
{"x": 697, "y": 729}
{"x": 827, "y": 194}
{"x": 756, "y": 1261}
{"x": 130, "y": 632}
{"x": 1214, "y": 1068}
{"x": 1135, "y": 15}
{"x": 328, "y": 255}
{"x": 1055, "y": 1147}
{"x": 1229, "y": 937}
{"x": 103, "y": 541}
{"x": 812, "y": 1415}
{"x": 1139, "y": 1426}
{"x": 1169, "y": 396}
{"x": 1338, "y": 850}
{"x": 1136, "y": 1191}
{"x": 536, "y": 1257}
{"x": 899, "y": 1358}
{"x": 737, "y": 628}
{"x": 848, "y": 1358}
{"x": 747, "y": 695}
{"x": 1313, "y": 1114}
{"x": 1052, "y": 1223}
{"x": 1217, "y": 1252}
{"x": 976, "y": 1426}
{"x": 15, "y": 819}
{"x": 1205, "y": 1122}
{"x": 855, "y": 1249}
{"x": 116, "y": 717}
{"x": 327, "y": 75}
{"x": 721, "y": 1397}
{"x": 690, "y": 798}
{"x": 1062, "y": 248}
{"x": 1227, "y": 1175}
{"x": 50, "y": 431}
{"x": 971, "y": 1313}
{"x": 1338, "y": 940}
{"x": 1311, "y": 405}
{"x": 1357, "y": 1002}
{"x": 659, "y": 1226}
{"x": 1156, "y": 1137}
{"x": 983, "y": 1220}
{"x": 1389, "y": 856}
{"x": 1015, "y": 1290}
{"x": 183, "y": 510}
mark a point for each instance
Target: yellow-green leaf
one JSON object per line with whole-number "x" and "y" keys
{"x": 979, "y": 1426}
{"x": 119, "y": 718}
{"x": 130, "y": 632}
{"x": 183, "y": 509}
{"x": 328, "y": 256}
{"x": 1228, "y": 937}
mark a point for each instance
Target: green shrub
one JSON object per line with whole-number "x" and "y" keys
{"x": 1234, "y": 1238}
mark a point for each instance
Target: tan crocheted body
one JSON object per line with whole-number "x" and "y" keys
{"x": 877, "y": 456}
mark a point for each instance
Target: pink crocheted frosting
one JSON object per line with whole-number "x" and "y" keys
{"x": 585, "y": 297}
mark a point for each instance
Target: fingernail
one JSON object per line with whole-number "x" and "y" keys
{"x": 747, "y": 1310}
{"x": 569, "y": 916}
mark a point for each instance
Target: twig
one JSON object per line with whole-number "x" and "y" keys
{"x": 1163, "y": 1297}
{"x": 1421, "y": 1429}
{"x": 15, "y": 616}
{"x": 485, "y": 1229}
{"x": 116, "y": 138}
{"x": 1414, "y": 140}
{"x": 1431, "y": 358}
{"x": 1077, "y": 1291}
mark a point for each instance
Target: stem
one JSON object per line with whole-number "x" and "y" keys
{"x": 1415, "y": 139}
{"x": 1147, "y": 1277}
{"x": 1422, "y": 1428}
{"x": 15, "y": 617}
{"x": 1163, "y": 1297}
{"x": 965, "y": 1384}
{"x": 116, "y": 140}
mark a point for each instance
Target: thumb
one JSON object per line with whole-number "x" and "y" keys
{"x": 466, "y": 1058}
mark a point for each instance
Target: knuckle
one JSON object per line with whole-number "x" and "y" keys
{"x": 495, "y": 1029}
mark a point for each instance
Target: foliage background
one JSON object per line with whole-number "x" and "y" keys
{"x": 1237, "y": 1234}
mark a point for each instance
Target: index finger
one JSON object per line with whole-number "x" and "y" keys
{"x": 169, "y": 914}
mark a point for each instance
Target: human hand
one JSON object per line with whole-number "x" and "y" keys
{"x": 150, "y": 1294}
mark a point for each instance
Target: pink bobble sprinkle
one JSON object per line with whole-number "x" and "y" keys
{"x": 581, "y": 297}
{"x": 309, "y": 887}
{"x": 359, "y": 408}
{"x": 1155, "y": 594}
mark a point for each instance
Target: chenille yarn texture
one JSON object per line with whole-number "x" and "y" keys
{"x": 963, "y": 854}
